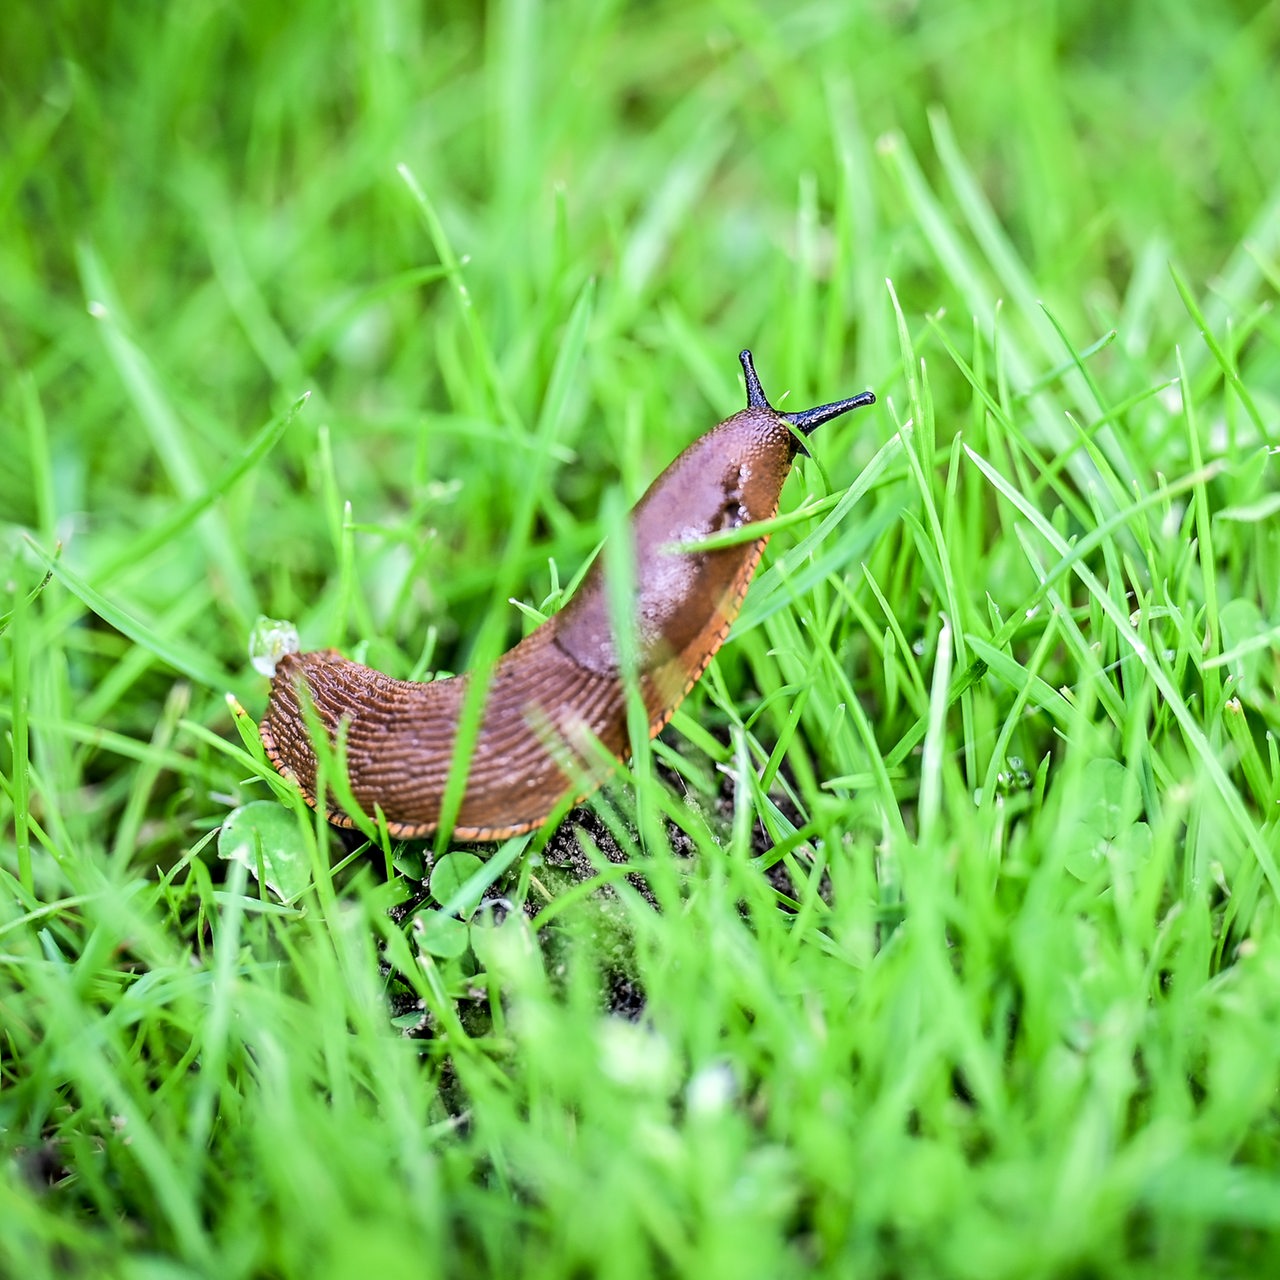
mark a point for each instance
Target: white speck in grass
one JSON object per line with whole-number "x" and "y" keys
{"x": 711, "y": 1090}
{"x": 1172, "y": 520}
{"x": 363, "y": 343}
{"x": 1220, "y": 436}
{"x": 269, "y": 640}
{"x": 635, "y": 1057}
{"x": 98, "y": 310}
{"x": 1171, "y": 397}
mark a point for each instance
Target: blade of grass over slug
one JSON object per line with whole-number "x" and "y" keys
{"x": 1206, "y": 757}
{"x": 489, "y": 640}
{"x": 622, "y": 600}
{"x": 757, "y": 529}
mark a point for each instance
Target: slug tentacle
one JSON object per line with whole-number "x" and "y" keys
{"x": 811, "y": 418}
{"x": 559, "y": 692}
{"x": 756, "y": 398}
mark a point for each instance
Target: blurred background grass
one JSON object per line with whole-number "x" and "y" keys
{"x": 201, "y": 218}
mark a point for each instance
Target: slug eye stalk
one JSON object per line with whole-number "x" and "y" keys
{"x": 807, "y": 420}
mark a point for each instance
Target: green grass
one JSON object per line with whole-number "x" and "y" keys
{"x": 966, "y": 959}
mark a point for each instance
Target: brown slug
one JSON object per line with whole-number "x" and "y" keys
{"x": 561, "y": 685}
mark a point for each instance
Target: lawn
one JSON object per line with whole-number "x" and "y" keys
{"x": 937, "y": 935}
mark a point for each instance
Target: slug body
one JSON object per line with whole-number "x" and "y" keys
{"x": 561, "y": 686}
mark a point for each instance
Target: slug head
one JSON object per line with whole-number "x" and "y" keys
{"x": 728, "y": 478}
{"x": 804, "y": 422}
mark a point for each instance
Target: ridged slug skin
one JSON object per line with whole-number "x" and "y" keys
{"x": 560, "y": 686}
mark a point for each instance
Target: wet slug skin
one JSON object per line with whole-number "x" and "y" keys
{"x": 561, "y": 686}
